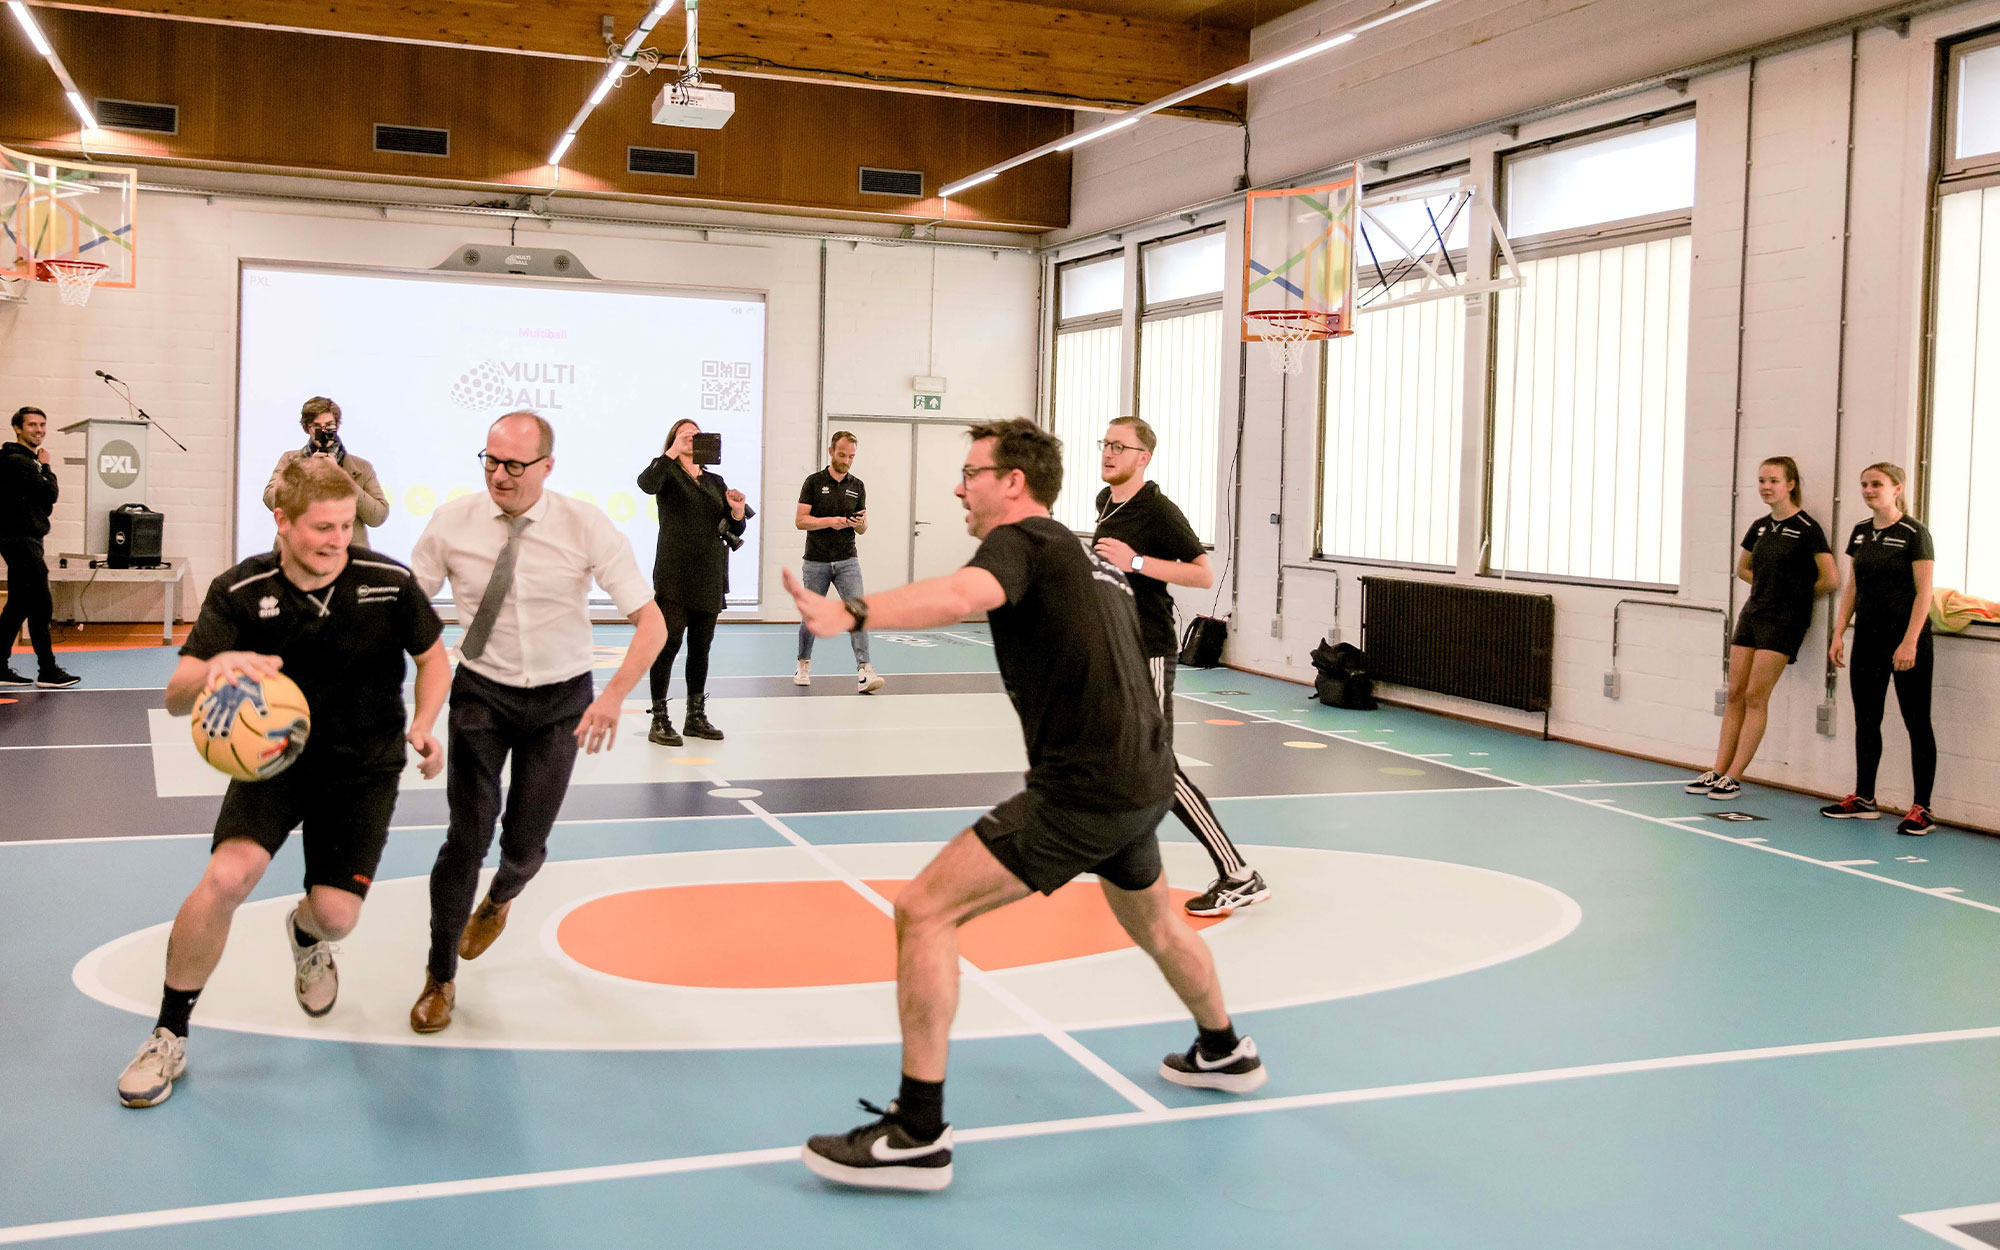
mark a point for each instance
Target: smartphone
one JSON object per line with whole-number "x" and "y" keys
{"x": 708, "y": 449}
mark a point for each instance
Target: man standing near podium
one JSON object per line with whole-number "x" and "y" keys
{"x": 28, "y": 493}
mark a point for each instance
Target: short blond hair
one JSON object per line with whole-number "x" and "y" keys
{"x": 310, "y": 480}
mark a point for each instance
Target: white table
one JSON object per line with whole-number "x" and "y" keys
{"x": 82, "y": 577}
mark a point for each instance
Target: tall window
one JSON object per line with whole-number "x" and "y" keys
{"x": 1391, "y": 420}
{"x": 1180, "y": 369}
{"x": 1962, "y": 457}
{"x": 1589, "y": 399}
{"x": 1084, "y": 390}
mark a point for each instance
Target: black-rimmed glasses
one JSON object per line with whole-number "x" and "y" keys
{"x": 515, "y": 468}
{"x": 971, "y": 471}
{"x": 1116, "y": 449}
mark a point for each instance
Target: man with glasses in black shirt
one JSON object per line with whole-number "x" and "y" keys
{"x": 1100, "y": 777}
{"x": 1142, "y": 533}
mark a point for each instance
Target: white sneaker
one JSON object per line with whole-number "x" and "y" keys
{"x": 804, "y": 677}
{"x": 868, "y": 679}
{"x": 149, "y": 1078}
{"x": 315, "y": 981}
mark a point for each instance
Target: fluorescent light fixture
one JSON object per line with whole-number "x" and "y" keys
{"x": 562, "y": 145}
{"x": 620, "y": 59}
{"x": 35, "y": 35}
{"x": 1082, "y": 137}
{"x": 603, "y": 89}
{"x": 82, "y": 109}
{"x": 1311, "y": 49}
{"x": 964, "y": 184}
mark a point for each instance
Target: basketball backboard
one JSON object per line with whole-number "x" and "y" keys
{"x": 68, "y": 210}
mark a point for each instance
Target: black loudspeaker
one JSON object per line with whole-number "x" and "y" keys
{"x": 135, "y": 537}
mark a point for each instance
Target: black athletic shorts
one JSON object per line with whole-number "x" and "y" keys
{"x": 1046, "y": 846}
{"x": 345, "y": 810}
{"x": 1771, "y": 634}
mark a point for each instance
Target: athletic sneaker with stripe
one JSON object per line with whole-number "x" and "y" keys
{"x": 149, "y": 1079}
{"x": 1237, "y": 1072}
{"x": 881, "y": 1155}
{"x": 1226, "y": 896}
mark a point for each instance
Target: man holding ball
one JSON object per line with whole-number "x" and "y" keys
{"x": 338, "y": 626}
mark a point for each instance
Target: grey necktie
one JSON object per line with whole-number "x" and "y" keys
{"x": 497, "y": 587}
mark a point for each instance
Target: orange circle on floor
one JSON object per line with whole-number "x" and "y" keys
{"x": 787, "y": 934}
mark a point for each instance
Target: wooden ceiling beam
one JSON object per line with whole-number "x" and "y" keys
{"x": 1005, "y": 50}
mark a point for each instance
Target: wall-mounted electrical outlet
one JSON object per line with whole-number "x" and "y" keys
{"x": 1611, "y": 684}
{"x": 1277, "y": 627}
{"x": 1826, "y": 719}
{"x": 1722, "y": 700}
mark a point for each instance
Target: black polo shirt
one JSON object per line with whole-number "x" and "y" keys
{"x": 1067, "y": 641}
{"x": 1152, "y": 526}
{"x": 343, "y": 644}
{"x": 1784, "y": 567}
{"x": 1885, "y": 584}
{"x": 830, "y": 496}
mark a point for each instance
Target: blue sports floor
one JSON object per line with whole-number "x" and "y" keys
{"x": 1512, "y": 995}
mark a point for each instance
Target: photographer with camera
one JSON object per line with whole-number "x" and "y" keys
{"x": 320, "y": 418}
{"x": 701, "y": 522}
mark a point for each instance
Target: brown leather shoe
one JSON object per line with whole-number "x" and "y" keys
{"x": 433, "y": 1009}
{"x": 488, "y": 920}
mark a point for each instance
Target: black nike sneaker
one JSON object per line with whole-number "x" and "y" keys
{"x": 882, "y": 1155}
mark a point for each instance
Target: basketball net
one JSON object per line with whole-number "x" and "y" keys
{"x": 1289, "y": 329}
{"x": 74, "y": 279}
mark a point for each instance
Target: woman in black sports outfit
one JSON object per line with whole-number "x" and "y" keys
{"x": 1888, "y": 595}
{"x": 1788, "y": 565}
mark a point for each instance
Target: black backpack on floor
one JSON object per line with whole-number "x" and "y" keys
{"x": 1201, "y": 645}
{"x": 1343, "y": 679}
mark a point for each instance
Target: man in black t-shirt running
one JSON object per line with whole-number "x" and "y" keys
{"x": 339, "y": 626}
{"x": 1100, "y": 777}
{"x": 1142, "y": 533}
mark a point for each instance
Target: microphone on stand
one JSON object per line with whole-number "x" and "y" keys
{"x": 107, "y": 377}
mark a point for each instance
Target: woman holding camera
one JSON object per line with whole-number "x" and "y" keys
{"x": 690, "y": 571}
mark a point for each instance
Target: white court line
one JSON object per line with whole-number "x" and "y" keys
{"x": 1756, "y": 844}
{"x": 79, "y": 746}
{"x": 1586, "y": 785}
{"x": 1940, "y": 1224}
{"x": 1848, "y": 863}
{"x": 978, "y": 976}
{"x": 339, "y": 1199}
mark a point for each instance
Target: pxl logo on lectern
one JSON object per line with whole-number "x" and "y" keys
{"x": 118, "y": 464}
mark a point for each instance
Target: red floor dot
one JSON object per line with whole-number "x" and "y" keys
{"x": 785, "y": 934}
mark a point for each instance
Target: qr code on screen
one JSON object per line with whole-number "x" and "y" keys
{"x": 725, "y": 386}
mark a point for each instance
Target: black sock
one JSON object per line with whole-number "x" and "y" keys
{"x": 920, "y": 1106}
{"x": 301, "y": 936}
{"x": 175, "y": 1008}
{"x": 1218, "y": 1043}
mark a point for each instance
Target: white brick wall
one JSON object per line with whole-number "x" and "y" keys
{"x": 174, "y": 340}
{"x": 1790, "y": 279}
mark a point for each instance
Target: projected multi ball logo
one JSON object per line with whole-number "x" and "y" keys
{"x": 494, "y": 385}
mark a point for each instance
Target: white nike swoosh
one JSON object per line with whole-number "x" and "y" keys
{"x": 883, "y": 1151}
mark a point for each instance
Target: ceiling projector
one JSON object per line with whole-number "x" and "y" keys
{"x": 694, "y": 105}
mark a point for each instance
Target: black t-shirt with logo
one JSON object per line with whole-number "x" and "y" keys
{"x": 1068, "y": 644}
{"x": 343, "y": 644}
{"x": 1152, "y": 526}
{"x": 1885, "y": 584}
{"x": 829, "y": 497}
{"x": 1784, "y": 567}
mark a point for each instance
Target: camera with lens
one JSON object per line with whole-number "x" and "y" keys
{"x": 733, "y": 541}
{"x": 327, "y": 441}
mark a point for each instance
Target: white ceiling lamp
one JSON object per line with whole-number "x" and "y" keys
{"x": 1228, "y": 78}
{"x": 621, "y": 61}
{"x": 48, "y": 53}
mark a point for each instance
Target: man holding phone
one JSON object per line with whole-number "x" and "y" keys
{"x": 833, "y": 508}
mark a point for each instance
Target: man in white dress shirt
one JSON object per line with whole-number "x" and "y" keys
{"x": 526, "y": 557}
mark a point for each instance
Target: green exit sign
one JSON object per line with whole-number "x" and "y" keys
{"x": 927, "y": 403}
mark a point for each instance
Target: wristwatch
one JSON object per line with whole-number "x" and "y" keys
{"x": 857, "y": 607}
{"x": 1138, "y": 564}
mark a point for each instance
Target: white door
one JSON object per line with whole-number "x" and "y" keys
{"x": 939, "y": 543}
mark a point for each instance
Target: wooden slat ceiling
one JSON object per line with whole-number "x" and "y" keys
{"x": 1103, "y": 54}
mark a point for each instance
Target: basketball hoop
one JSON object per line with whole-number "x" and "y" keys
{"x": 1291, "y": 329}
{"x": 74, "y": 279}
